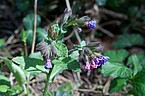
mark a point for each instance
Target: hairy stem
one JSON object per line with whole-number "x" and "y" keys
{"x": 47, "y": 84}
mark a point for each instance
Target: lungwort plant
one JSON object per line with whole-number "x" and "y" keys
{"x": 54, "y": 56}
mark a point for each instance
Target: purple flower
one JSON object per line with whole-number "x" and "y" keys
{"x": 48, "y": 64}
{"x": 91, "y": 24}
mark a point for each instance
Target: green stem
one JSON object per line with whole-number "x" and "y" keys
{"x": 28, "y": 82}
{"x": 24, "y": 88}
{"x": 47, "y": 84}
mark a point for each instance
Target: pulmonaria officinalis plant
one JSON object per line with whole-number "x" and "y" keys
{"x": 55, "y": 56}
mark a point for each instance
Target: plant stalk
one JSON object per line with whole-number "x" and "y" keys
{"x": 35, "y": 23}
{"x": 47, "y": 84}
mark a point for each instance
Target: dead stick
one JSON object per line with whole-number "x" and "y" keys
{"x": 35, "y": 23}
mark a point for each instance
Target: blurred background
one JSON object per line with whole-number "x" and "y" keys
{"x": 120, "y": 25}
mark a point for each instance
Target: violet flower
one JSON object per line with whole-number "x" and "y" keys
{"x": 105, "y": 58}
{"x": 48, "y": 64}
{"x": 91, "y": 24}
{"x": 99, "y": 61}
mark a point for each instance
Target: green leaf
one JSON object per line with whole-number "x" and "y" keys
{"x": 61, "y": 49}
{"x": 63, "y": 31}
{"x": 139, "y": 84}
{"x": 101, "y": 2}
{"x": 116, "y": 70}
{"x": 4, "y": 80}
{"x": 3, "y": 88}
{"x": 16, "y": 70}
{"x": 83, "y": 43}
{"x": 29, "y": 37}
{"x": 4, "y": 85}
{"x": 134, "y": 60}
{"x": 14, "y": 91}
{"x": 33, "y": 64}
{"x": 81, "y": 46}
{"x": 117, "y": 84}
{"x": 36, "y": 55}
{"x": 74, "y": 55}
{"x": 127, "y": 40}
{"x": 140, "y": 57}
{"x": 41, "y": 34}
{"x": 68, "y": 63}
{"x": 56, "y": 28}
{"x": 29, "y": 21}
{"x": 116, "y": 55}
{"x": 19, "y": 60}
{"x": 22, "y": 5}
{"x": 2, "y": 41}
{"x": 55, "y": 71}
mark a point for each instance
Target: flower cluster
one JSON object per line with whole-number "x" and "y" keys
{"x": 96, "y": 62}
{"x": 91, "y": 24}
{"x": 48, "y": 64}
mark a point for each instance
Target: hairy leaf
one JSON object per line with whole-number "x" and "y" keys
{"x": 134, "y": 60}
{"x": 116, "y": 70}
{"x": 55, "y": 71}
{"x": 29, "y": 21}
{"x": 16, "y": 70}
{"x": 139, "y": 84}
{"x": 117, "y": 84}
{"x": 4, "y": 80}
{"x": 61, "y": 49}
{"x": 1, "y": 42}
{"x": 74, "y": 55}
{"x": 33, "y": 64}
{"x": 68, "y": 63}
{"x": 127, "y": 40}
{"x": 41, "y": 34}
{"x": 116, "y": 55}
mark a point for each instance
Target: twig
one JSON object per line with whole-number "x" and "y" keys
{"x": 106, "y": 31}
{"x": 117, "y": 22}
{"x": 113, "y": 14}
{"x": 88, "y": 91}
{"x": 77, "y": 35}
{"x": 106, "y": 86}
{"x": 69, "y": 36}
{"x": 35, "y": 23}
{"x": 68, "y": 5}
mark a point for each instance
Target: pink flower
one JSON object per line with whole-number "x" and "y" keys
{"x": 87, "y": 66}
{"x": 93, "y": 65}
